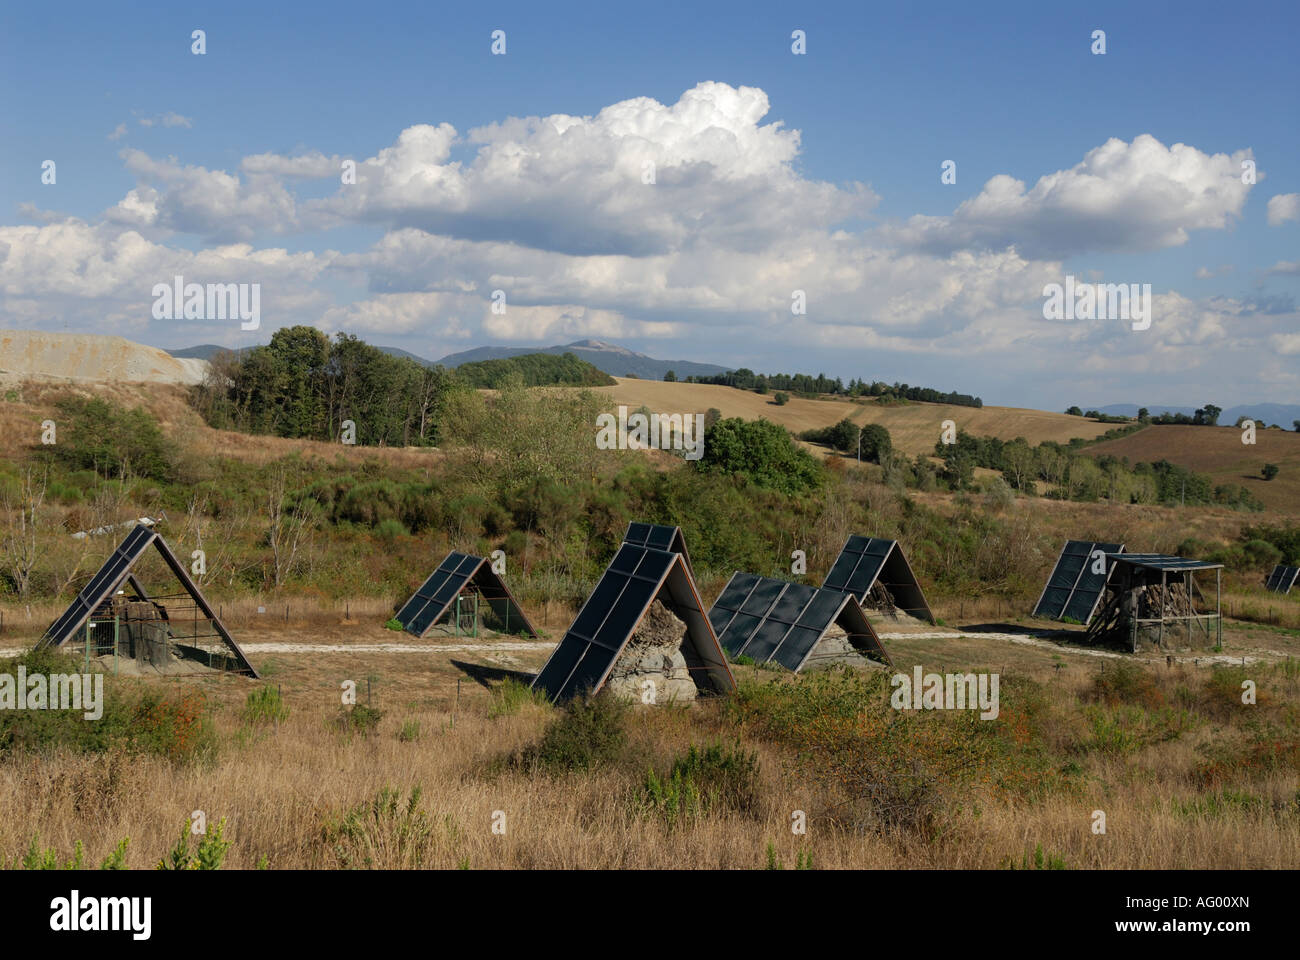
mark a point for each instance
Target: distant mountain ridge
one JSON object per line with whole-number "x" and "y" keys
{"x": 608, "y": 357}
{"x": 204, "y": 351}
{"x": 1270, "y": 413}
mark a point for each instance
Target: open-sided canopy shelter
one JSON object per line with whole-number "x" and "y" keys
{"x": 869, "y": 562}
{"x": 1151, "y": 599}
{"x": 155, "y": 629}
{"x": 768, "y": 619}
{"x": 454, "y": 590}
{"x": 634, "y": 579}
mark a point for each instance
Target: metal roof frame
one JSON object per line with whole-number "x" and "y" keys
{"x": 561, "y": 677}
{"x": 115, "y": 571}
{"x": 843, "y": 609}
{"x": 1164, "y": 562}
{"x": 470, "y": 569}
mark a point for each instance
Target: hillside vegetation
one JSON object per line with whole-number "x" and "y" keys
{"x": 525, "y": 477}
{"x": 535, "y": 369}
{"x": 342, "y": 533}
{"x": 1219, "y": 452}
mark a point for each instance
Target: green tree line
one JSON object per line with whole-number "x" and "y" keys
{"x": 305, "y": 385}
{"x": 535, "y": 369}
{"x": 1076, "y": 476}
{"x": 808, "y": 385}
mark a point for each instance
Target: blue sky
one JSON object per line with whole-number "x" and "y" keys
{"x": 906, "y": 278}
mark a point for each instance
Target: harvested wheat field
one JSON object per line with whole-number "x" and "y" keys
{"x": 914, "y": 427}
{"x": 1219, "y": 452}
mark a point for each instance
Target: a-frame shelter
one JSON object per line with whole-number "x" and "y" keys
{"x": 459, "y": 576}
{"x": 661, "y": 538}
{"x": 1282, "y": 579}
{"x": 96, "y": 599}
{"x": 1078, "y": 581}
{"x": 771, "y": 620}
{"x": 636, "y": 577}
{"x": 869, "y": 562}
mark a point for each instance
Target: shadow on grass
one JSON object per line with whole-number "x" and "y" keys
{"x": 489, "y": 677}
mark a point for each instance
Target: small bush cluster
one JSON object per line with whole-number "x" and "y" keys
{"x": 701, "y": 781}
{"x": 588, "y": 732}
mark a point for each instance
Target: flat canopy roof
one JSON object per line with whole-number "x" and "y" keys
{"x": 1163, "y": 561}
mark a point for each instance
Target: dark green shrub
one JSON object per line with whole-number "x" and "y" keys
{"x": 760, "y": 452}
{"x": 588, "y": 732}
{"x": 360, "y": 718}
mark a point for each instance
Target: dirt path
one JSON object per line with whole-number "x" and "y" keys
{"x": 516, "y": 647}
{"x": 1043, "y": 644}
{"x": 394, "y": 647}
{"x": 537, "y": 646}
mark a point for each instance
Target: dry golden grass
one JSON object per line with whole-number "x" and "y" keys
{"x": 281, "y": 786}
{"x": 913, "y": 427}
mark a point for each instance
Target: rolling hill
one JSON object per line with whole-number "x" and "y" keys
{"x": 913, "y": 427}
{"x": 206, "y": 351}
{"x": 1219, "y": 452}
{"x": 1280, "y": 413}
{"x": 608, "y": 357}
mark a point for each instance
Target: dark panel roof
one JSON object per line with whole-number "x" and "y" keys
{"x": 1074, "y": 587}
{"x": 660, "y": 538}
{"x": 633, "y": 580}
{"x": 458, "y": 570}
{"x": 866, "y": 561}
{"x": 101, "y": 586}
{"x": 768, "y": 619}
{"x": 1163, "y": 561}
{"x": 1283, "y": 578}
{"x": 116, "y": 571}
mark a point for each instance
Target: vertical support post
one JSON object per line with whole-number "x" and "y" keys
{"x": 115, "y": 639}
{"x": 1218, "y": 595}
{"x": 476, "y": 613}
{"x": 1164, "y": 590}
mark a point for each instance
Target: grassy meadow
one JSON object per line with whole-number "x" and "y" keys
{"x": 445, "y": 760}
